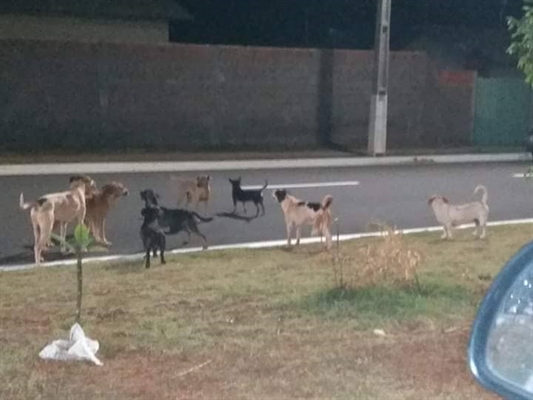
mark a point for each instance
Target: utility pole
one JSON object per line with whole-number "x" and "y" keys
{"x": 377, "y": 128}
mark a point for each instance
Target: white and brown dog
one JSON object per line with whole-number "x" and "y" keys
{"x": 62, "y": 207}
{"x": 193, "y": 190}
{"x": 298, "y": 213}
{"x": 452, "y": 215}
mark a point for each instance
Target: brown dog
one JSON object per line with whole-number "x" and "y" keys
{"x": 193, "y": 190}
{"x": 298, "y": 212}
{"x": 98, "y": 206}
{"x": 62, "y": 207}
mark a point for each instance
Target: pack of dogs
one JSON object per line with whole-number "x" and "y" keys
{"x": 83, "y": 202}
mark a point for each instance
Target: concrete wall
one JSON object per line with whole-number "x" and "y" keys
{"x": 81, "y": 29}
{"x": 71, "y": 95}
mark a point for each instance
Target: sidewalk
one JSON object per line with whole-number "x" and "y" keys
{"x": 139, "y": 156}
{"x": 223, "y": 161}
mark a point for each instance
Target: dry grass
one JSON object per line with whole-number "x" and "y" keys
{"x": 386, "y": 262}
{"x": 254, "y": 324}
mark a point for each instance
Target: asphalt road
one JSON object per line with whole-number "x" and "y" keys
{"x": 394, "y": 194}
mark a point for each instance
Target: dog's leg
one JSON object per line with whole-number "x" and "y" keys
{"x": 147, "y": 258}
{"x": 36, "y": 241}
{"x": 162, "y": 247}
{"x": 449, "y": 231}
{"x": 327, "y": 234}
{"x": 483, "y": 227}
{"x": 63, "y": 234}
{"x": 298, "y": 233}
{"x": 476, "y": 227}
{"x": 193, "y": 228}
{"x": 102, "y": 231}
{"x": 289, "y": 232}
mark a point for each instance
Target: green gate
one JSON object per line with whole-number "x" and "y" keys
{"x": 503, "y": 111}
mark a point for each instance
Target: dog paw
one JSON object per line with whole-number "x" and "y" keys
{"x": 204, "y": 247}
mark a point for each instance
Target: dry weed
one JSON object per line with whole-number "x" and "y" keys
{"x": 388, "y": 262}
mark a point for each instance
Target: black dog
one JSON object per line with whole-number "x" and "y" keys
{"x": 176, "y": 220}
{"x": 152, "y": 235}
{"x": 244, "y": 196}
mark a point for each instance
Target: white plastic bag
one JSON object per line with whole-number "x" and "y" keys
{"x": 78, "y": 347}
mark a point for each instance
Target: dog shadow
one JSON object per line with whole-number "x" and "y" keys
{"x": 238, "y": 217}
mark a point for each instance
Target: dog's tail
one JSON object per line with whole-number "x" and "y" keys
{"x": 484, "y": 197}
{"x": 203, "y": 219}
{"x": 26, "y": 205}
{"x": 265, "y": 185}
{"x": 326, "y": 201}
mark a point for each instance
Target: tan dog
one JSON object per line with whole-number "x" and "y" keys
{"x": 450, "y": 215}
{"x": 98, "y": 206}
{"x": 298, "y": 213}
{"x": 62, "y": 207}
{"x": 194, "y": 190}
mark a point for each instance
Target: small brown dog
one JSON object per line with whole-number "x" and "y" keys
{"x": 193, "y": 190}
{"x": 298, "y": 213}
{"x": 98, "y": 206}
{"x": 452, "y": 215}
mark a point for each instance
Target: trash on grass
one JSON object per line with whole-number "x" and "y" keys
{"x": 78, "y": 347}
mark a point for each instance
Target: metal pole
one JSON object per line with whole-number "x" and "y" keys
{"x": 377, "y": 129}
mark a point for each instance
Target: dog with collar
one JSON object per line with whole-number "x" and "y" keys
{"x": 62, "y": 207}
{"x": 452, "y": 215}
{"x": 298, "y": 213}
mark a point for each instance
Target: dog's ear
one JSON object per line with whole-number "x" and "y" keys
{"x": 431, "y": 199}
{"x": 445, "y": 199}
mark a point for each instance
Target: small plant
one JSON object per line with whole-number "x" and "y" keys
{"x": 80, "y": 244}
{"x": 388, "y": 262}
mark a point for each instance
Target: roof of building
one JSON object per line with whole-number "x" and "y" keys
{"x": 105, "y": 9}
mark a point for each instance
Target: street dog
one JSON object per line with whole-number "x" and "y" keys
{"x": 244, "y": 196}
{"x": 98, "y": 206}
{"x": 452, "y": 215}
{"x": 60, "y": 206}
{"x": 193, "y": 191}
{"x": 176, "y": 220}
{"x": 152, "y": 236}
{"x": 298, "y": 213}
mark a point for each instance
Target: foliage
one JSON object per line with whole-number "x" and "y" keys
{"x": 81, "y": 243}
{"x": 522, "y": 40}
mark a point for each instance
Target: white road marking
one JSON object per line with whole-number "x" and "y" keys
{"x": 523, "y": 175}
{"x": 252, "y": 245}
{"x": 304, "y": 185}
{"x": 227, "y": 165}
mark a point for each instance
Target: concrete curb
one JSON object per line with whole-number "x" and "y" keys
{"x": 182, "y": 166}
{"x": 250, "y": 245}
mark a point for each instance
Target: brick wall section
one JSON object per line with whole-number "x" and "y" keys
{"x": 72, "y": 95}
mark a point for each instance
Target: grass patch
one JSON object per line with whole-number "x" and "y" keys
{"x": 268, "y": 323}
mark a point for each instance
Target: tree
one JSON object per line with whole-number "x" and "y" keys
{"x": 522, "y": 40}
